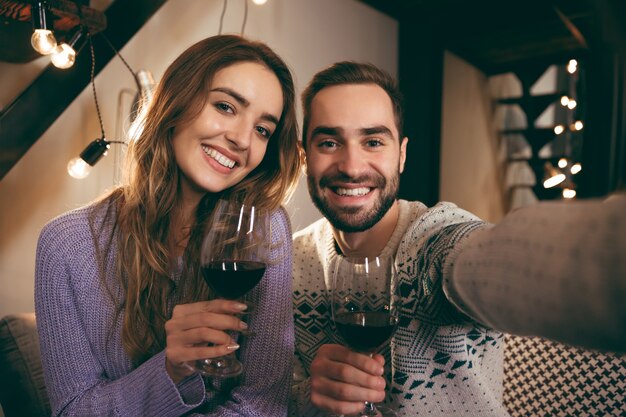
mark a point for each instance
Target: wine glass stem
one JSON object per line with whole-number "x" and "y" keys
{"x": 370, "y": 409}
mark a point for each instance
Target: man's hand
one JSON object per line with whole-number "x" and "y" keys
{"x": 342, "y": 380}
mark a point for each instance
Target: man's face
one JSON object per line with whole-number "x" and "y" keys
{"x": 354, "y": 155}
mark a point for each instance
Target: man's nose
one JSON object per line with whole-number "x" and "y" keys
{"x": 351, "y": 162}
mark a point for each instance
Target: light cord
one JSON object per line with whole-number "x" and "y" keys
{"x": 93, "y": 85}
{"x": 222, "y": 17}
{"x": 245, "y": 17}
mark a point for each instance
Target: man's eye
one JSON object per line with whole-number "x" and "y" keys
{"x": 373, "y": 143}
{"x": 327, "y": 144}
{"x": 225, "y": 107}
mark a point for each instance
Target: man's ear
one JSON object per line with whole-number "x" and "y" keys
{"x": 403, "y": 145}
{"x": 302, "y": 156}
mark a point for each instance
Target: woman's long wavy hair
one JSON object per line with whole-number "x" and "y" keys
{"x": 145, "y": 203}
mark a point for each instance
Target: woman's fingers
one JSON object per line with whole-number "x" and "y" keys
{"x": 213, "y": 306}
{"x": 179, "y": 355}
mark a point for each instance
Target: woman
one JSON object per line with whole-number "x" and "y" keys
{"x": 121, "y": 306}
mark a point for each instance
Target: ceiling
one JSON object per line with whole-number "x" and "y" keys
{"x": 497, "y": 35}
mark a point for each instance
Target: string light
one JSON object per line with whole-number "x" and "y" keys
{"x": 42, "y": 39}
{"x": 576, "y": 168}
{"x": 558, "y": 129}
{"x": 568, "y": 193}
{"x": 572, "y": 66}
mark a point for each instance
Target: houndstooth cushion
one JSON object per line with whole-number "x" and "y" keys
{"x": 545, "y": 378}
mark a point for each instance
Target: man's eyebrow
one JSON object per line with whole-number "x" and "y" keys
{"x": 376, "y": 130}
{"x": 245, "y": 103}
{"x": 326, "y": 130}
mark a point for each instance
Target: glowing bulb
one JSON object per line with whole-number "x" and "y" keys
{"x": 578, "y": 125}
{"x": 78, "y": 168}
{"x": 572, "y": 66}
{"x": 576, "y": 168}
{"x": 564, "y": 100}
{"x": 555, "y": 180}
{"x": 569, "y": 193}
{"x": 259, "y": 2}
{"x": 562, "y": 163}
{"x": 64, "y": 56}
{"x": 571, "y": 104}
{"x": 558, "y": 129}
{"x": 43, "y": 41}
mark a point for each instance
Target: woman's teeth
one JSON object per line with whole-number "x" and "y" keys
{"x": 229, "y": 163}
{"x": 353, "y": 191}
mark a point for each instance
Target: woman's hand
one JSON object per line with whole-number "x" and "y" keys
{"x": 198, "y": 331}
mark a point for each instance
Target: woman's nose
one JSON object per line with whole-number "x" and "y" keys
{"x": 238, "y": 134}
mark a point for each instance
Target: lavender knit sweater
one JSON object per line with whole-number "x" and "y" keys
{"x": 86, "y": 369}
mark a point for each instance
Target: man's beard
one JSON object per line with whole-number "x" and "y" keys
{"x": 355, "y": 219}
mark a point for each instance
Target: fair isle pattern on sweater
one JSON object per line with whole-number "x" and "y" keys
{"x": 439, "y": 363}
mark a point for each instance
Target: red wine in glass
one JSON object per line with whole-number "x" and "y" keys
{"x": 365, "y": 331}
{"x": 364, "y": 306}
{"x": 233, "y": 279}
{"x": 233, "y": 259}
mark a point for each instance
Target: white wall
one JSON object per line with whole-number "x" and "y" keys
{"x": 471, "y": 166}
{"x": 308, "y": 34}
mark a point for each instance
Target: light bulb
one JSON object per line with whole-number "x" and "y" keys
{"x": 576, "y": 168}
{"x": 43, "y": 41}
{"x": 578, "y": 125}
{"x": 78, "y": 168}
{"x": 562, "y": 163}
{"x": 259, "y": 2}
{"x": 555, "y": 180}
{"x": 63, "y": 56}
{"x": 571, "y": 104}
{"x": 564, "y": 100}
{"x": 572, "y": 66}
{"x": 558, "y": 129}
{"x": 569, "y": 193}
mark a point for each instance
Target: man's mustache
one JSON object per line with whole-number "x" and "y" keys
{"x": 377, "y": 180}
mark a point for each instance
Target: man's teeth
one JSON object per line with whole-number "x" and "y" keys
{"x": 219, "y": 157}
{"x": 353, "y": 191}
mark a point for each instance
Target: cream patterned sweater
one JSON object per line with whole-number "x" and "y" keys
{"x": 464, "y": 278}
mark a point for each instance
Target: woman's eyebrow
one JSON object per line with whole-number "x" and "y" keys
{"x": 244, "y": 102}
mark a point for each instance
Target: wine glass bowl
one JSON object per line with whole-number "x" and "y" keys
{"x": 233, "y": 258}
{"x": 364, "y": 307}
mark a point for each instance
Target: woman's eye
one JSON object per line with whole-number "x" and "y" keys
{"x": 263, "y": 132}
{"x": 225, "y": 107}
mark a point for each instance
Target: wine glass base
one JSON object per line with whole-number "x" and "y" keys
{"x": 379, "y": 411}
{"x": 219, "y": 367}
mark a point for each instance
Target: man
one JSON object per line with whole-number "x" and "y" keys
{"x": 467, "y": 278}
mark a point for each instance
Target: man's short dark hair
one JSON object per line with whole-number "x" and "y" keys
{"x": 349, "y": 72}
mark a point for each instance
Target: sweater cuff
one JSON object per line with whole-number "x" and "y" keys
{"x": 172, "y": 399}
{"x": 192, "y": 390}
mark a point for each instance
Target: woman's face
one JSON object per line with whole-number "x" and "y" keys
{"x": 228, "y": 139}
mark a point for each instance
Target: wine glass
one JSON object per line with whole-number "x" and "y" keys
{"x": 233, "y": 259}
{"x": 364, "y": 307}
